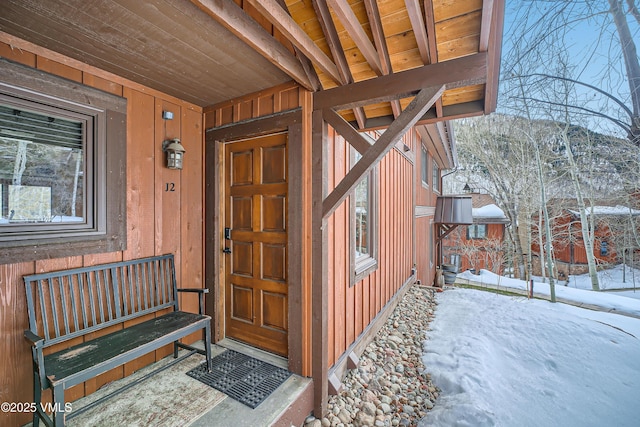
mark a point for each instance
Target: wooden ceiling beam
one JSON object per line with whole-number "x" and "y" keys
{"x": 304, "y": 61}
{"x": 485, "y": 25}
{"x": 455, "y": 73}
{"x": 337, "y": 51}
{"x": 407, "y": 119}
{"x": 350, "y": 22}
{"x": 449, "y": 112}
{"x": 333, "y": 41}
{"x": 494, "y": 49}
{"x": 271, "y": 10}
{"x": 380, "y": 41}
{"x": 234, "y": 19}
{"x": 430, "y": 26}
{"x": 360, "y": 141}
{"x": 419, "y": 29}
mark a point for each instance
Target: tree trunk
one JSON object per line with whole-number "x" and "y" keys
{"x": 587, "y": 237}
{"x": 631, "y": 64}
{"x": 543, "y": 269}
{"x": 547, "y": 228}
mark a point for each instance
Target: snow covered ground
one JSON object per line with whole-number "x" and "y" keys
{"x": 510, "y": 361}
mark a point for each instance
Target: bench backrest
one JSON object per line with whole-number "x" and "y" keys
{"x": 66, "y": 304}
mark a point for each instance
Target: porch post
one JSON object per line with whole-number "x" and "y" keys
{"x": 320, "y": 280}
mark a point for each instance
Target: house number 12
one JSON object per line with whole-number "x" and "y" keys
{"x": 170, "y": 186}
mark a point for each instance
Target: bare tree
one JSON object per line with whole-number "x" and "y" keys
{"x": 493, "y": 160}
{"x": 599, "y": 67}
{"x": 591, "y": 78}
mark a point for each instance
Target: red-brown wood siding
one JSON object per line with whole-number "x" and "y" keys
{"x": 424, "y": 263}
{"x": 480, "y": 258}
{"x": 157, "y": 221}
{"x": 425, "y": 207}
{"x": 568, "y": 240}
{"x": 352, "y": 308}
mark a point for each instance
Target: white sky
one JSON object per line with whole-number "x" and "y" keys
{"x": 510, "y": 361}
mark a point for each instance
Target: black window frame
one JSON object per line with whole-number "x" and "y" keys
{"x": 104, "y": 118}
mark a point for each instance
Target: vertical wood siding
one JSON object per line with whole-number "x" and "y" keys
{"x": 568, "y": 246}
{"x": 479, "y": 259}
{"x": 352, "y": 308}
{"x": 158, "y": 221}
{"x": 425, "y": 207}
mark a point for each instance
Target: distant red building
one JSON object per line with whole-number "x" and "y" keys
{"x": 480, "y": 245}
{"x": 612, "y": 234}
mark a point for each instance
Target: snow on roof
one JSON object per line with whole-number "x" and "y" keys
{"x": 608, "y": 210}
{"x": 488, "y": 211}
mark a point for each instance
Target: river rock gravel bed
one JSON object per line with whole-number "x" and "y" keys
{"x": 389, "y": 387}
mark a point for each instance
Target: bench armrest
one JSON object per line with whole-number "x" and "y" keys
{"x": 36, "y": 350}
{"x": 35, "y": 339}
{"x": 200, "y": 292}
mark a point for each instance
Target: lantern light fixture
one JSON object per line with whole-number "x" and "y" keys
{"x": 175, "y": 152}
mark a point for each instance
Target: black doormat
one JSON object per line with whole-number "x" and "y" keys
{"x": 247, "y": 380}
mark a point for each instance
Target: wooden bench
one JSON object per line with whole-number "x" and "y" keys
{"x": 67, "y": 305}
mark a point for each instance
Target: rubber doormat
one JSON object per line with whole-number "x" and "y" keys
{"x": 245, "y": 379}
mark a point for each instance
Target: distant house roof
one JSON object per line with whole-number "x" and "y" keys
{"x": 485, "y": 210}
{"x": 618, "y": 210}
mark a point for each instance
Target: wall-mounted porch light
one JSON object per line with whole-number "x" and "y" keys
{"x": 175, "y": 152}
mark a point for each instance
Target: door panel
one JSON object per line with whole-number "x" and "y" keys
{"x": 256, "y": 302}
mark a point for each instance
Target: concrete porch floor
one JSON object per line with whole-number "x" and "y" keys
{"x": 287, "y": 406}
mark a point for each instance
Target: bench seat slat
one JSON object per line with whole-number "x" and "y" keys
{"x": 105, "y": 295}
{"x": 87, "y": 358}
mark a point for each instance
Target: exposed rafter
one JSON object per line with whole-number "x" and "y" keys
{"x": 305, "y": 62}
{"x": 296, "y": 36}
{"x": 331, "y": 36}
{"x": 337, "y": 51}
{"x": 430, "y": 26}
{"x": 350, "y": 22}
{"x": 233, "y": 18}
{"x": 381, "y": 46}
{"x": 371, "y": 6}
{"x": 419, "y": 29}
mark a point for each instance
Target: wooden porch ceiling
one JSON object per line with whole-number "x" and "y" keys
{"x": 210, "y": 51}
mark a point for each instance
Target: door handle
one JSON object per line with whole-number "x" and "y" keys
{"x": 226, "y": 250}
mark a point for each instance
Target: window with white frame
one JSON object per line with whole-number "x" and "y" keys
{"x": 435, "y": 178}
{"x": 424, "y": 166}
{"x": 364, "y": 224}
{"x": 477, "y": 231}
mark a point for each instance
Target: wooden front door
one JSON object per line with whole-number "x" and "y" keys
{"x": 255, "y": 242}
